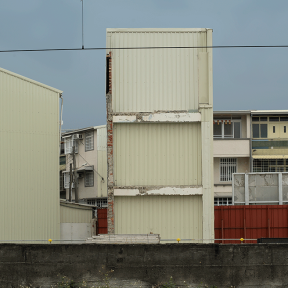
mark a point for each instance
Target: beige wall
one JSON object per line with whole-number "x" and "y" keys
{"x": 170, "y": 216}
{"x": 242, "y": 167}
{"x": 29, "y": 159}
{"x": 231, "y": 148}
{"x": 163, "y": 153}
{"x": 157, "y": 154}
{"x": 96, "y": 157}
{"x": 146, "y": 80}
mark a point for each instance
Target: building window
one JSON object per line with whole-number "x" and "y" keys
{"x": 101, "y": 203}
{"x": 67, "y": 180}
{"x": 270, "y": 165}
{"x": 89, "y": 178}
{"x": 227, "y": 128}
{"x": 222, "y": 201}
{"x": 259, "y": 130}
{"x": 69, "y": 142}
{"x": 89, "y": 141}
{"x": 228, "y": 166}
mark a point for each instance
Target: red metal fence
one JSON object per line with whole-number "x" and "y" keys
{"x": 250, "y": 222}
{"x": 102, "y": 221}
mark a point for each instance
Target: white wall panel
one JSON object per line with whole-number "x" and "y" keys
{"x": 75, "y": 214}
{"x": 29, "y": 165}
{"x": 169, "y": 216}
{"x": 145, "y": 80}
{"x": 157, "y": 154}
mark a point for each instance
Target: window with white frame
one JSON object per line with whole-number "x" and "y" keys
{"x": 89, "y": 178}
{"x": 222, "y": 201}
{"x": 227, "y": 128}
{"x": 69, "y": 142}
{"x": 89, "y": 141}
{"x": 67, "y": 180}
{"x": 101, "y": 203}
{"x": 228, "y": 166}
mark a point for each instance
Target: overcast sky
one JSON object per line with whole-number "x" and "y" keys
{"x": 244, "y": 79}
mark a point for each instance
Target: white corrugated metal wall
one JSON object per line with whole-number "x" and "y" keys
{"x": 155, "y": 79}
{"x": 29, "y": 178}
{"x": 170, "y": 216}
{"x": 102, "y": 161}
{"x": 160, "y": 80}
{"x": 157, "y": 154}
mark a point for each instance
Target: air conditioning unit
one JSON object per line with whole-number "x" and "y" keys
{"x": 78, "y": 136}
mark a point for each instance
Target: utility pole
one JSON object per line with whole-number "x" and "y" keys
{"x": 70, "y": 184}
{"x": 75, "y": 176}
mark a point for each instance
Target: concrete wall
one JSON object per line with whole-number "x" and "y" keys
{"x": 190, "y": 265}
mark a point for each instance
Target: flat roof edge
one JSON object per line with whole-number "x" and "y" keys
{"x": 157, "y": 29}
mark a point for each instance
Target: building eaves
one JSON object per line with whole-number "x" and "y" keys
{"x": 71, "y": 132}
{"x": 254, "y": 112}
{"x": 30, "y": 80}
{"x": 234, "y": 112}
{"x": 147, "y": 30}
{"x": 75, "y": 205}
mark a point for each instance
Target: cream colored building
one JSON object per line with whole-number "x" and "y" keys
{"x": 91, "y": 164}
{"x": 159, "y": 141}
{"x": 29, "y": 159}
{"x": 247, "y": 141}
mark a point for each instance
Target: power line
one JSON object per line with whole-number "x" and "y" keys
{"x": 143, "y": 48}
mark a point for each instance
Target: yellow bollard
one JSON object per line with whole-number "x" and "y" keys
{"x": 241, "y": 239}
{"x": 178, "y": 239}
{"x": 50, "y": 240}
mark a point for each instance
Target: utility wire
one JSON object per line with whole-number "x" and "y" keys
{"x": 91, "y": 165}
{"x": 143, "y": 48}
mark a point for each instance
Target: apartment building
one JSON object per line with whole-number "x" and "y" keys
{"x": 159, "y": 141}
{"x": 90, "y": 164}
{"x": 247, "y": 141}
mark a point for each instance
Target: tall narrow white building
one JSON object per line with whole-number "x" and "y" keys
{"x": 159, "y": 96}
{"x": 29, "y": 159}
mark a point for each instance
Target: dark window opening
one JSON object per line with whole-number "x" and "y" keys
{"x": 255, "y": 128}
{"x": 273, "y": 119}
{"x": 107, "y": 74}
{"x": 273, "y": 129}
{"x": 284, "y": 129}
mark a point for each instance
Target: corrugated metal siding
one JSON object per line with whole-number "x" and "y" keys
{"x": 157, "y": 154}
{"x": 29, "y": 178}
{"x": 169, "y": 216}
{"x": 144, "y": 80}
{"x": 250, "y": 222}
{"x": 70, "y": 214}
{"x": 102, "y": 139}
{"x": 102, "y": 161}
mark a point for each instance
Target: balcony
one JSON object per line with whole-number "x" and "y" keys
{"x": 231, "y": 147}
